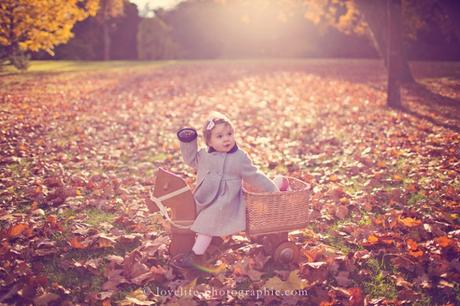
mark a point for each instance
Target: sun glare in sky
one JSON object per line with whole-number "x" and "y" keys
{"x": 154, "y": 4}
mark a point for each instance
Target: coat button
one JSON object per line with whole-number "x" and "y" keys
{"x": 209, "y": 171}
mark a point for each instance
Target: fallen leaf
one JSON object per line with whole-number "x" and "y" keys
{"x": 76, "y": 243}
{"x": 17, "y": 230}
{"x": 294, "y": 282}
{"x": 410, "y": 222}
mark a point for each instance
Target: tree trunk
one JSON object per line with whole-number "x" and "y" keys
{"x": 372, "y": 12}
{"x": 394, "y": 58}
{"x": 106, "y": 39}
{"x": 105, "y": 30}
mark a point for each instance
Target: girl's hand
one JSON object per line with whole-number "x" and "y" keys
{"x": 187, "y": 134}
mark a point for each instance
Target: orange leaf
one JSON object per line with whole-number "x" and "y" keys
{"x": 444, "y": 241}
{"x": 372, "y": 239}
{"x": 410, "y": 222}
{"x": 106, "y": 302}
{"x": 417, "y": 253}
{"x": 77, "y": 244}
{"x": 17, "y": 230}
{"x": 379, "y": 220}
{"x": 52, "y": 219}
{"x": 412, "y": 244}
{"x": 334, "y": 178}
{"x": 411, "y": 187}
{"x": 388, "y": 241}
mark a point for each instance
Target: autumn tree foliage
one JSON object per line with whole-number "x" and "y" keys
{"x": 370, "y": 18}
{"x": 33, "y": 25}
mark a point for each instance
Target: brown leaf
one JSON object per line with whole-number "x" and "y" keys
{"x": 341, "y": 212}
{"x": 45, "y": 299}
{"x": 343, "y": 279}
{"x": 114, "y": 279}
{"x": 356, "y": 297}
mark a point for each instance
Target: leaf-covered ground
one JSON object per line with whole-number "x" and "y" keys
{"x": 79, "y": 150}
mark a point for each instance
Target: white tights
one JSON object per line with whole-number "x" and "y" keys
{"x": 202, "y": 242}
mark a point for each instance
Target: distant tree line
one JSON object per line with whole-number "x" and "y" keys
{"x": 198, "y": 29}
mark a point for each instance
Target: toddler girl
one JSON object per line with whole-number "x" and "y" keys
{"x": 221, "y": 168}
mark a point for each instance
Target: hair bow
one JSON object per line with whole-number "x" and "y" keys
{"x": 210, "y": 125}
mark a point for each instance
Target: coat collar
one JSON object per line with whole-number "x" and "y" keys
{"x": 232, "y": 150}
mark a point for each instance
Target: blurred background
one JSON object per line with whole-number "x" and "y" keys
{"x": 215, "y": 29}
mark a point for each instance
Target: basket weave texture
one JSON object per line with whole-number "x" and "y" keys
{"x": 275, "y": 212}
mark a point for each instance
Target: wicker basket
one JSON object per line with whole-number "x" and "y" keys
{"x": 274, "y": 212}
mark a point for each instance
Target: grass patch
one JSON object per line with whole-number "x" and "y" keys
{"x": 87, "y": 66}
{"x": 79, "y": 279}
{"x": 365, "y": 219}
{"x": 380, "y": 283}
{"x": 339, "y": 244}
{"x": 97, "y": 216}
{"x": 415, "y": 198}
{"x": 355, "y": 185}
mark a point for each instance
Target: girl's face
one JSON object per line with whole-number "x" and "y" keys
{"x": 222, "y": 138}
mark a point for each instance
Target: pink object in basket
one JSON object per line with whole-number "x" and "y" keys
{"x": 282, "y": 183}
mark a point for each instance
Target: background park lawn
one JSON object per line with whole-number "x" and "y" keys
{"x": 81, "y": 141}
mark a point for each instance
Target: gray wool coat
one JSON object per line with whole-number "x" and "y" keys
{"x": 218, "y": 192}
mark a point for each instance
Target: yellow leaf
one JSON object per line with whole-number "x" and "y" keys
{"x": 136, "y": 297}
{"x": 294, "y": 282}
{"x": 410, "y": 222}
{"x": 190, "y": 285}
{"x": 334, "y": 178}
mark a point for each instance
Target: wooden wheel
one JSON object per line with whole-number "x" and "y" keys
{"x": 181, "y": 243}
{"x": 270, "y": 241}
{"x": 286, "y": 252}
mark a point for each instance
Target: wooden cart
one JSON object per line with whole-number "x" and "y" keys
{"x": 270, "y": 216}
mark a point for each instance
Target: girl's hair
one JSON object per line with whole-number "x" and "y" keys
{"x": 214, "y": 119}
